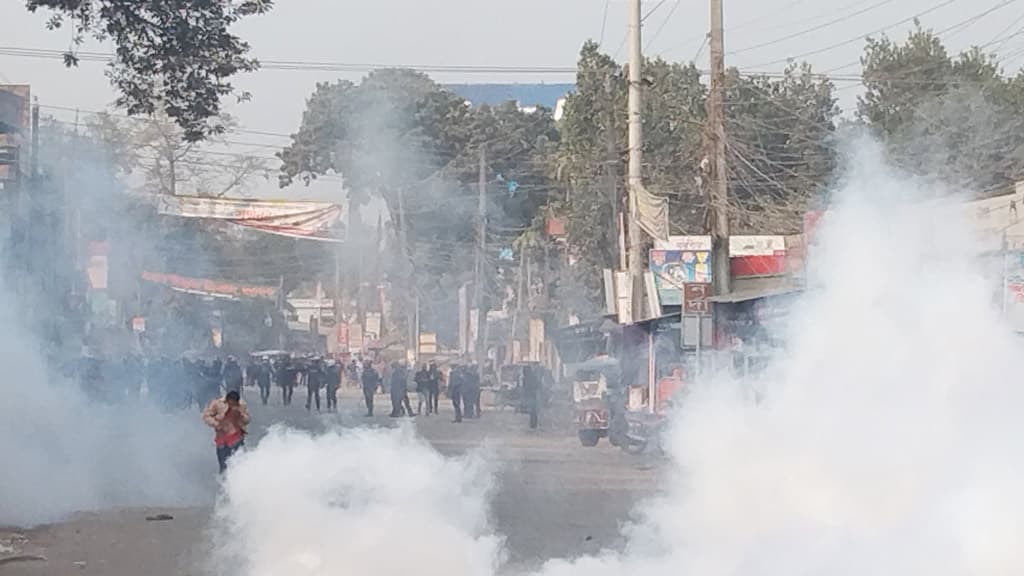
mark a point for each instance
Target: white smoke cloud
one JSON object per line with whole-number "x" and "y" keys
{"x": 884, "y": 440}
{"x": 371, "y": 501}
{"x": 62, "y": 453}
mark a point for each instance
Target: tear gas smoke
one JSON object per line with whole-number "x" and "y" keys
{"x": 337, "y": 503}
{"x": 63, "y": 453}
{"x": 883, "y": 441}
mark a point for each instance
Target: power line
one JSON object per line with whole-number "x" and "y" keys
{"x": 652, "y": 11}
{"x": 675, "y": 6}
{"x": 311, "y": 65}
{"x": 858, "y": 38}
{"x": 940, "y": 34}
{"x": 812, "y": 29}
{"x": 604, "y": 22}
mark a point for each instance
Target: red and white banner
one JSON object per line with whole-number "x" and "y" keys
{"x": 208, "y": 287}
{"x": 310, "y": 220}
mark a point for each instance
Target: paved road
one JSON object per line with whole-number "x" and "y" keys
{"x": 555, "y": 498}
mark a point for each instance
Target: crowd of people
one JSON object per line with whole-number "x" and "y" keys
{"x": 216, "y": 386}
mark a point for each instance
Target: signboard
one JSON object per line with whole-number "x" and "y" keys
{"x": 684, "y": 243}
{"x": 98, "y": 268}
{"x": 474, "y": 330}
{"x": 355, "y": 338}
{"x": 428, "y": 343}
{"x": 756, "y": 245}
{"x": 138, "y": 324}
{"x": 463, "y": 320}
{"x": 341, "y": 329}
{"x": 623, "y": 297}
{"x": 15, "y": 126}
{"x": 674, "y": 268}
{"x": 207, "y": 287}
{"x": 695, "y": 298}
{"x": 372, "y": 331}
{"x": 697, "y": 331}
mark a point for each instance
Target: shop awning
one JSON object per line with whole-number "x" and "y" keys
{"x": 754, "y": 294}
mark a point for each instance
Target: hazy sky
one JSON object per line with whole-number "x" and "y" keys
{"x": 530, "y": 33}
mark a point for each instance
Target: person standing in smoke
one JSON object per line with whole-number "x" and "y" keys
{"x": 456, "y": 379}
{"x": 433, "y": 387}
{"x": 233, "y": 378}
{"x": 251, "y": 371}
{"x": 471, "y": 392}
{"x": 532, "y": 393}
{"x": 370, "y": 380}
{"x": 314, "y": 381}
{"x": 228, "y": 416}
{"x": 422, "y": 380}
{"x": 264, "y": 374}
{"x": 399, "y": 388}
{"x": 333, "y": 382}
{"x": 285, "y": 375}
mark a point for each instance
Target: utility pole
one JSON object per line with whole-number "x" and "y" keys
{"x": 718, "y": 191}
{"x": 478, "y": 268}
{"x": 412, "y": 341}
{"x": 636, "y": 135}
{"x": 616, "y": 248}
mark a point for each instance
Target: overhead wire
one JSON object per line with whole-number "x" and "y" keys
{"x": 664, "y": 23}
{"x": 806, "y": 31}
{"x": 847, "y": 42}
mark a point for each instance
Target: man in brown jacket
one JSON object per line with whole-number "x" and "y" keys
{"x": 228, "y": 416}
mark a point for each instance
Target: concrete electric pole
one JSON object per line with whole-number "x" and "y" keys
{"x": 718, "y": 191}
{"x": 635, "y": 175}
{"x": 478, "y": 274}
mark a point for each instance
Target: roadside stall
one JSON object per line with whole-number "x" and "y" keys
{"x": 751, "y": 325}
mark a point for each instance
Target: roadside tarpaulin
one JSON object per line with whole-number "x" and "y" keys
{"x": 208, "y": 287}
{"x": 310, "y": 220}
{"x": 652, "y": 213}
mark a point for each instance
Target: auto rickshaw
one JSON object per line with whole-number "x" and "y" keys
{"x": 597, "y": 401}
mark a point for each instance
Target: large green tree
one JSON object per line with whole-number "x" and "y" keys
{"x": 400, "y": 137}
{"x": 177, "y": 56}
{"x": 780, "y": 151}
{"x": 957, "y": 118}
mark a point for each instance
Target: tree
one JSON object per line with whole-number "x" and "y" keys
{"x": 174, "y": 56}
{"x": 399, "y": 136}
{"x": 781, "y": 154}
{"x": 157, "y": 150}
{"x": 956, "y": 118}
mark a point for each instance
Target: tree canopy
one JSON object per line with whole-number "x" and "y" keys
{"x": 174, "y": 56}
{"x": 957, "y": 118}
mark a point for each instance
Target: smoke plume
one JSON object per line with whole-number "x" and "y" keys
{"x": 882, "y": 441}
{"x": 330, "y": 504}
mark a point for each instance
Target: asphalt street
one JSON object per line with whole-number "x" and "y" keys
{"x": 555, "y": 499}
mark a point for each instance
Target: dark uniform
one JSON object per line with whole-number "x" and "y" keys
{"x": 370, "y": 381}
{"x": 314, "y": 381}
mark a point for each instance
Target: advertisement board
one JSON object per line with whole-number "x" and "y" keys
{"x": 673, "y": 269}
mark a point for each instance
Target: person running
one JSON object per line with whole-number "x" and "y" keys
{"x": 422, "y": 380}
{"x": 370, "y": 380}
{"x": 228, "y": 416}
